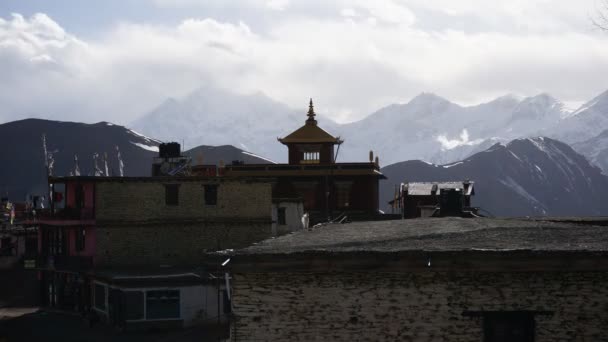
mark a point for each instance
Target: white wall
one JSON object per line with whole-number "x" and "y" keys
{"x": 198, "y": 303}
{"x": 293, "y": 217}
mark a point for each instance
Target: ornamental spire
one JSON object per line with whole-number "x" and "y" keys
{"x": 311, "y": 113}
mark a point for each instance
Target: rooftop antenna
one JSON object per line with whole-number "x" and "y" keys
{"x": 76, "y": 166}
{"x": 105, "y": 163}
{"x": 51, "y": 163}
{"x": 46, "y": 155}
{"x": 121, "y": 165}
{"x": 49, "y": 166}
{"x": 96, "y": 170}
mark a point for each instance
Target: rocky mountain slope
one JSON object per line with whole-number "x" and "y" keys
{"x": 23, "y": 167}
{"x": 538, "y": 176}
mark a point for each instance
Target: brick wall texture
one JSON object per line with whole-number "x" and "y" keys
{"x": 422, "y": 306}
{"x": 135, "y": 227}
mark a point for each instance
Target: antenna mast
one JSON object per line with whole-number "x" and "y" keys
{"x": 121, "y": 165}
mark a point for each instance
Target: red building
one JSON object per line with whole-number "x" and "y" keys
{"x": 328, "y": 189}
{"x": 66, "y": 243}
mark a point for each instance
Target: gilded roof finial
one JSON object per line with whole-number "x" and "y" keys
{"x": 311, "y": 113}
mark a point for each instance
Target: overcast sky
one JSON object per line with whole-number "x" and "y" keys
{"x": 115, "y": 60}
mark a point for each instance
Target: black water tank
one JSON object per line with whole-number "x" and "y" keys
{"x": 169, "y": 150}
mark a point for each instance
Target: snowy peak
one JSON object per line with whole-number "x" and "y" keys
{"x": 215, "y": 116}
{"x": 587, "y": 122}
{"x": 532, "y": 176}
{"x": 541, "y": 107}
{"x": 430, "y": 103}
{"x": 598, "y": 104}
{"x": 506, "y": 101}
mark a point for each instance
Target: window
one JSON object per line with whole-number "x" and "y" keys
{"x": 211, "y": 194}
{"x": 281, "y": 217}
{"x": 100, "y": 297}
{"x": 31, "y": 246}
{"x": 162, "y": 304}
{"x": 311, "y": 158}
{"x": 134, "y": 305}
{"x": 508, "y": 326}
{"x": 171, "y": 194}
{"x": 80, "y": 239}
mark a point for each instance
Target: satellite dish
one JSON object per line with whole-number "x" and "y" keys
{"x": 165, "y": 167}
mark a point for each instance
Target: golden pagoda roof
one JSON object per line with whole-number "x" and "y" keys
{"x": 310, "y": 133}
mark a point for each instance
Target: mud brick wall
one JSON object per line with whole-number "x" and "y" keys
{"x": 135, "y": 226}
{"x": 172, "y": 244}
{"x": 142, "y": 201}
{"x": 421, "y": 306}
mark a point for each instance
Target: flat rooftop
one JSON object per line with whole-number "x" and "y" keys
{"x": 443, "y": 234}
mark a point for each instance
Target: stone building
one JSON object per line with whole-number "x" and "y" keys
{"x": 435, "y": 199}
{"x": 108, "y": 233}
{"x": 438, "y": 279}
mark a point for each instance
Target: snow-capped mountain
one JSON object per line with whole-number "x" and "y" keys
{"x": 596, "y": 150}
{"x": 212, "y": 116}
{"x": 587, "y": 122}
{"x": 428, "y": 127}
{"x": 433, "y": 129}
{"x": 538, "y": 176}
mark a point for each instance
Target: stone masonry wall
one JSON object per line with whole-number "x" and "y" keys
{"x": 172, "y": 244}
{"x": 135, "y": 227}
{"x": 422, "y": 306}
{"x": 141, "y": 201}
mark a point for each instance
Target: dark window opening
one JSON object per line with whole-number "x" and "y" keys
{"x": 100, "y": 297}
{"x": 80, "y": 239}
{"x": 508, "y": 326}
{"x": 211, "y": 194}
{"x": 162, "y": 304}
{"x": 281, "y": 216}
{"x": 134, "y": 305}
{"x": 79, "y": 196}
{"x": 171, "y": 194}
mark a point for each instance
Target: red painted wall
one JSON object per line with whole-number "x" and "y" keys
{"x": 89, "y": 242}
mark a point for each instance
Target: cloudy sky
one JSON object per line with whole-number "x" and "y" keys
{"x": 115, "y": 60}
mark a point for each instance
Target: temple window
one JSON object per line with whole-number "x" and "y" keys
{"x": 311, "y": 158}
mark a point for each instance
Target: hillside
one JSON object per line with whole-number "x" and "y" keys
{"x": 539, "y": 176}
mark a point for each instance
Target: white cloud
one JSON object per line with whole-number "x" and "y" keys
{"x": 353, "y": 57}
{"x": 448, "y": 144}
{"x": 277, "y": 5}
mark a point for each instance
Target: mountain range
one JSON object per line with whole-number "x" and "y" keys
{"x": 23, "y": 165}
{"x": 533, "y": 176}
{"x": 428, "y": 127}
